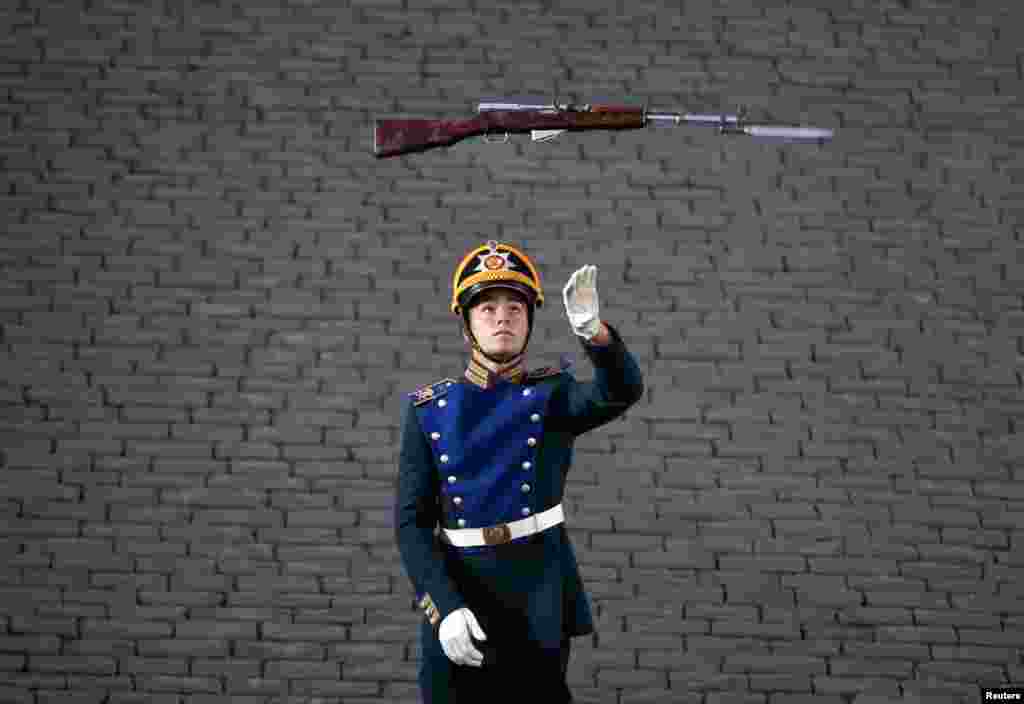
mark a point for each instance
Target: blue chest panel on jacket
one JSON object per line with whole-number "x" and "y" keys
{"x": 485, "y": 443}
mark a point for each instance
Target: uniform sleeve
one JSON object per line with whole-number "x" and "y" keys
{"x": 417, "y": 511}
{"x": 618, "y": 384}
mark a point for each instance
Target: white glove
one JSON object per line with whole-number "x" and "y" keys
{"x": 454, "y": 636}
{"x": 580, "y": 296}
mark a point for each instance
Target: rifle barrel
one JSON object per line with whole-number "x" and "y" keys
{"x": 728, "y": 123}
{"x": 675, "y": 119}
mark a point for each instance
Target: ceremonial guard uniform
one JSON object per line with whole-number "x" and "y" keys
{"x": 485, "y": 457}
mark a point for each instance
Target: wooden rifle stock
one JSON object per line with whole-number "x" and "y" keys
{"x": 397, "y": 136}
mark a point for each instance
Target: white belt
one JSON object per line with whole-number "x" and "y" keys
{"x": 504, "y": 532}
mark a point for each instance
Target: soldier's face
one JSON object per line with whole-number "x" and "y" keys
{"x": 500, "y": 322}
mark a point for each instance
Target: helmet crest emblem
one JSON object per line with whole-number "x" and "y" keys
{"x": 493, "y": 260}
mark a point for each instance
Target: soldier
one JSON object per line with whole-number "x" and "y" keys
{"x": 485, "y": 457}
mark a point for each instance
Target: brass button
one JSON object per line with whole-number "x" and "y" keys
{"x": 442, "y": 403}
{"x": 462, "y": 523}
{"x": 444, "y": 458}
{"x": 526, "y": 465}
{"x": 435, "y": 436}
{"x": 535, "y": 417}
{"x": 457, "y": 500}
{"x": 451, "y": 479}
{"x": 531, "y": 442}
{"x": 526, "y": 488}
{"x": 525, "y": 511}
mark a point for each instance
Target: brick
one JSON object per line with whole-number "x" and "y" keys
{"x": 184, "y": 647}
{"x": 988, "y": 637}
{"x": 615, "y": 677}
{"x": 30, "y": 644}
{"x": 124, "y": 629}
{"x": 961, "y": 671}
{"x": 198, "y": 685}
{"x": 299, "y": 669}
{"x": 845, "y": 667}
{"x": 312, "y": 632}
{"x": 901, "y": 651}
{"x": 624, "y": 641}
{"x": 215, "y": 629}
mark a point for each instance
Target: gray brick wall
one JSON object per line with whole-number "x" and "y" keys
{"x": 214, "y": 298}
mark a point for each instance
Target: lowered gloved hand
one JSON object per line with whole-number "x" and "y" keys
{"x": 454, "y": 636}
{"x": 580, "y": 296}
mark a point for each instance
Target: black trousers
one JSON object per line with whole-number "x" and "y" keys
{"x": 536, "y": 675}
{"x": 516, "y": 596}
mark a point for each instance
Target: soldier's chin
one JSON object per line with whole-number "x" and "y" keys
{"x": 505, "y": 355}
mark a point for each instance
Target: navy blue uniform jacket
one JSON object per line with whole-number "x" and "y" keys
{"x": 494, "y": 455}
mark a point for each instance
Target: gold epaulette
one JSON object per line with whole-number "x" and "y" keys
{"x": 545, "y": 372}
{"x": 431, "y": 391}
{"x": 542, "y": 373}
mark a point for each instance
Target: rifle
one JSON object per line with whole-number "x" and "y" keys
{"x": 393, "y": 137}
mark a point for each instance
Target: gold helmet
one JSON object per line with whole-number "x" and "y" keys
{"x": 490, "y": 266}
{"x": 495, "y": 264}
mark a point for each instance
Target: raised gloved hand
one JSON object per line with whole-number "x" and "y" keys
{"x": 454, "y": 635}
{"x": 580, "y": 296}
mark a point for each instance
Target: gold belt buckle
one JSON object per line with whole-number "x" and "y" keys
{"x": 496, "y": 535}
